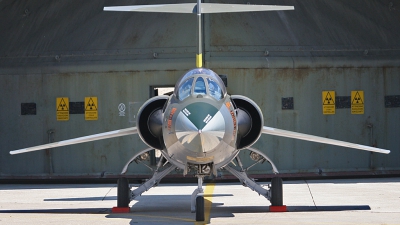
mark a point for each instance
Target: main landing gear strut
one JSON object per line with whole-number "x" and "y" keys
{"x": 274, "y": 191}
{"x": 125, "y": 194}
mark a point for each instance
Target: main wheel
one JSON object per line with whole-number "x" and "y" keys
{"x": 200, "y": 208}
{"x": 123, "y": 198}
{"x": 276, "y": 192}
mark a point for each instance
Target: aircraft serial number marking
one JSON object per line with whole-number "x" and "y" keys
{"x": 234, "y": 123}
{"x": 171, "y": 114}
{"x": 228, "y": 105}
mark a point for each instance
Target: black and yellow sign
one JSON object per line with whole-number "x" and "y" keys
{"x": 328, "y": 102}
{"x": 91, "y": 112}
{"x": 62, "y": 109}
{"x": 357, "y": 102}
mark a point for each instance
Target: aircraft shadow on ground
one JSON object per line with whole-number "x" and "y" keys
{"x": 138, "y": 199}
{"x": 61, "y": 211}
{"x": 107, "y": 198}
{"x": 216, "y": 208}
{"x": 173, "y": 209}
{"x": 165, "y": 203}
{"x": 174, "y": 212}
{"x": 181, "y": 215}
{"x": 51, "y": 186}
{"x": 326, "y": 208}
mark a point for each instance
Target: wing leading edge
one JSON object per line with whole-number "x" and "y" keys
{"x": 266, "y": 130}
{"x": 307, "y": 137}
{"x": 192, "y": 8}
{"x": 94, "y": 137}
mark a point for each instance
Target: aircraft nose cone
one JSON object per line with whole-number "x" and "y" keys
{"x": 200, "y": 130}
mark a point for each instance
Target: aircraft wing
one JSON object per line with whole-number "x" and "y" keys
{"x": 95, "y": 137}
{"x": 307, "y": 137}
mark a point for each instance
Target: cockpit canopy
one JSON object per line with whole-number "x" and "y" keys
{"x": 200, "y": 81}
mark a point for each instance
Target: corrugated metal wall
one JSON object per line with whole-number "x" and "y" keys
{"x": 51, "y": 49}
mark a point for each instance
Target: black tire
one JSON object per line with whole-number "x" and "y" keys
{"x": 200, "y": 208}
{"x": 276, "y": 191}
{"x": 123, "y": 197}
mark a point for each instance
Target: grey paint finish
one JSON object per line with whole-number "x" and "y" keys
{"x": 267, "y": 56}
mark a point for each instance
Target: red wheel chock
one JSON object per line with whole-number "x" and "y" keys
{"x": 120, "y": 210}
{"x": 281, "y": 208}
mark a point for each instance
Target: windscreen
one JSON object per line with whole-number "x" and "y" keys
{"x": 205, "y": 81}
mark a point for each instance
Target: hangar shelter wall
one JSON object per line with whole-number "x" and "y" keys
{"x": 73, "y": 49}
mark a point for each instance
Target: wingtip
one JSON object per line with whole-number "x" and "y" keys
{"x": 19, "y": 151}
{"x": 375, "y": 149}
{"x": 14, "y": 152}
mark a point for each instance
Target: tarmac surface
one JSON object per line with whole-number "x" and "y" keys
{"x": 342, "y": 201}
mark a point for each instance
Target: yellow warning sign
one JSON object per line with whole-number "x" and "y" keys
{"x": 357, "y": 102}
{"x": 328, "y": 102}
{"x": 62, "y": 109}
{"x": 91, "y": 112}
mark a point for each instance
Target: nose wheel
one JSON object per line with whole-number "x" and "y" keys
{"x": 197, "y": 204}
{"x": 200, "y": 208}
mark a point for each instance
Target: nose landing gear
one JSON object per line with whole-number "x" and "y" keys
{"x": 197, "y": 203}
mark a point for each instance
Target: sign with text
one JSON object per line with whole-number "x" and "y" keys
{"x": 357, "y": 102}
{"x": 328, "y": 102}
{"x": 91, "y": 112}
{"x": 62, "y": 109}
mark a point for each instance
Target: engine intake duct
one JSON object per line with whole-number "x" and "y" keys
{"x": 149, "y": 121}
{"x": 249, "y": 119}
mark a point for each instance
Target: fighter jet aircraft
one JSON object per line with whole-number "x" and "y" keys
{"x": 200, "y": 128}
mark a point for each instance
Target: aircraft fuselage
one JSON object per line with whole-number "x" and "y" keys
{"x": 200, "y": 130}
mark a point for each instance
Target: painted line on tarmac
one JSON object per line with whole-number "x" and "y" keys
{"x": 208, "y": 204}
{"x": 208, "y": 193}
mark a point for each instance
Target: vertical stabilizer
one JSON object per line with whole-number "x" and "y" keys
{"x": 198, "y": 8}
{"x": 199, "y": 55}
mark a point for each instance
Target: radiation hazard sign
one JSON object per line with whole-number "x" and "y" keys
{"x": 357, "y": 102}
{"x": 328, "y": 102}
{"x": 91, "y": 112}
{"x": 62, "y": 109}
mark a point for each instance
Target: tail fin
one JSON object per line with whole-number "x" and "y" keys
{"x": 198, "y": 8}
{"x": 192, "y": 8}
